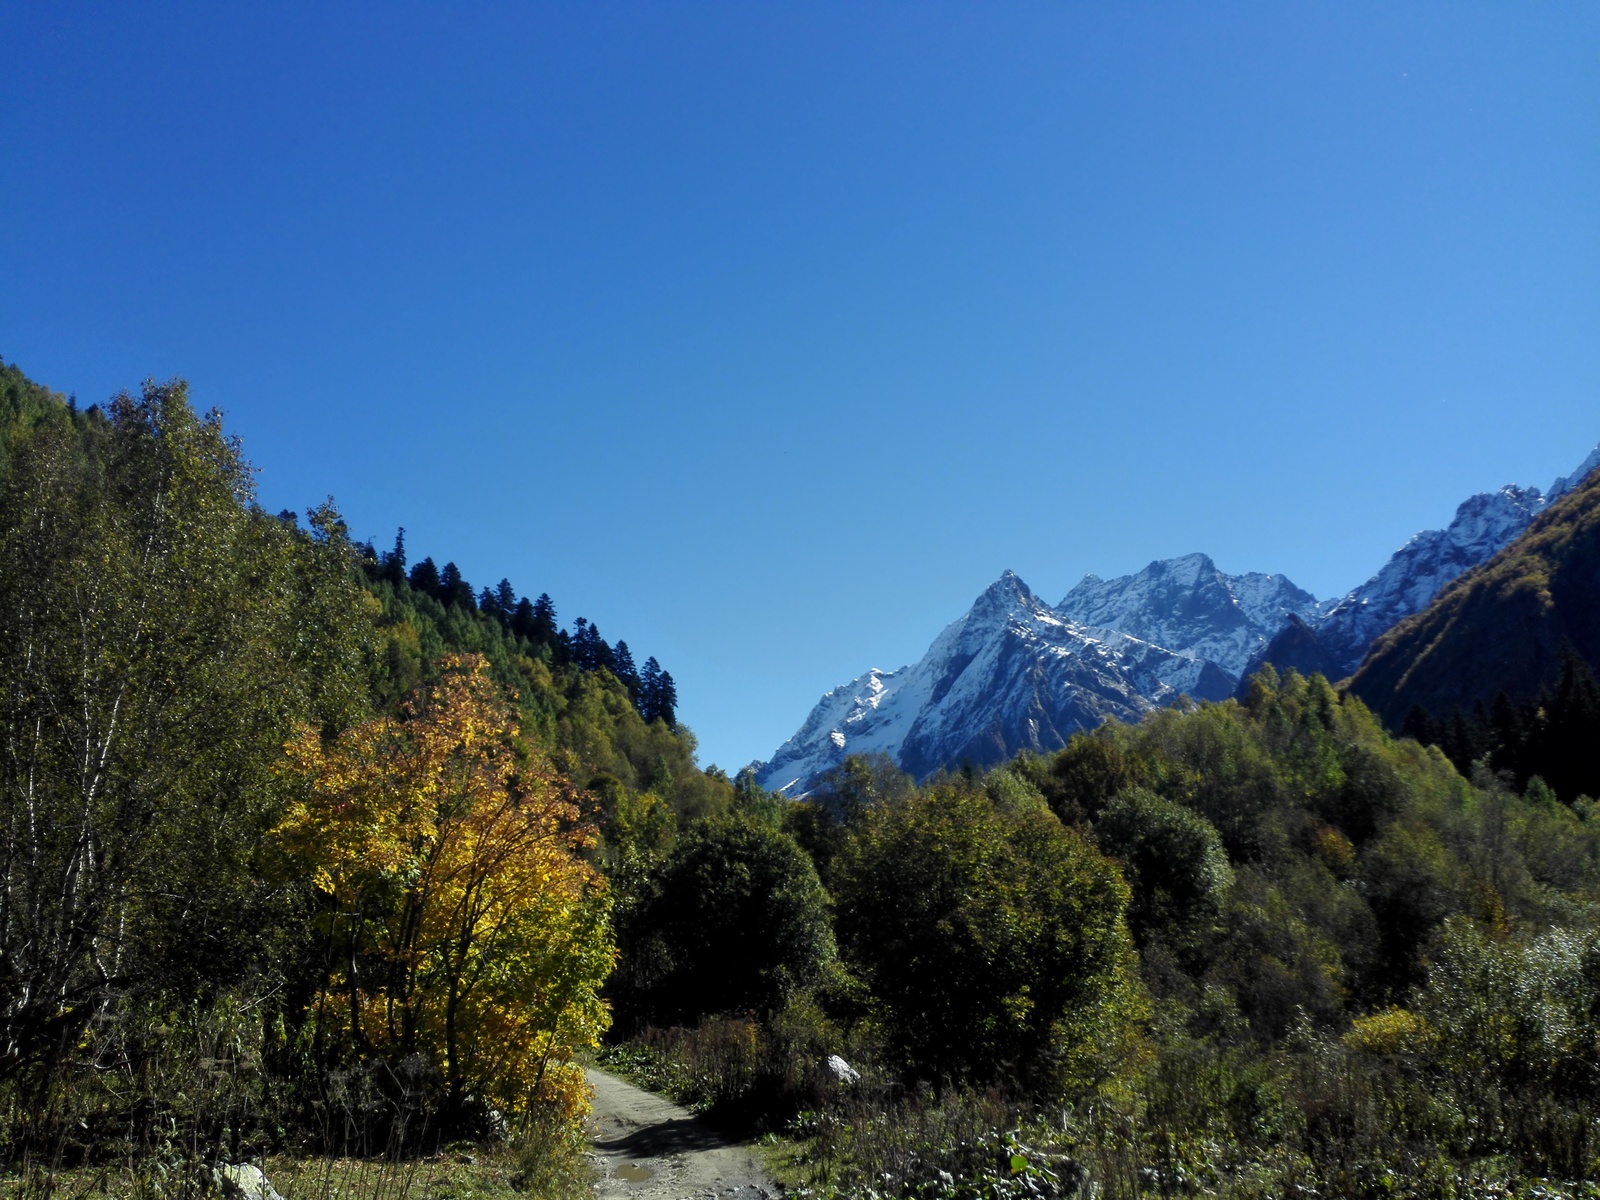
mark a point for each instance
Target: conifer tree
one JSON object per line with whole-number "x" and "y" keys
{"x": 600, "y": 650}
{"x": 1509, "y": 729}
{"x": 523, "y": 621}
{"x": 1567, "y": 758}
{"x": 454, "y": 590}
{"x": 425, "y": 578}
{"x": 628, "y": 674}
{"x": 1419, "y": 726}
{"x": 394, "y": 561}
{"x": 590, "y": 651}
{"x": 544, "y": 621}
{"x": 658, "y": 695}
{"x": 649, "y": 686}
{"x": 667, "y": 700}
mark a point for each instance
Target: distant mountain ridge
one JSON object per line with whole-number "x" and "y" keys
{"x": 1501, "y": 627}
{"x": 1015, "y": 673}
{"x": 1188, "y": 604}
{"x": 1503, "y": 667}
{"x": 1417, "y": 572}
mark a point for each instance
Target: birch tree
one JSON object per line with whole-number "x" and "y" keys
{"x": 158, "y": 635}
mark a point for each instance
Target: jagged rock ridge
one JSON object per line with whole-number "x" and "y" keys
{"x": 1505, "y": 628}
{"x": 1187, "y": 604}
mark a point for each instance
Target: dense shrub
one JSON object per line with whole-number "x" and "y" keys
{"x": 737, "y": 921}
{"x": 995, "y": 945}
{"x": 1172, "y": 858}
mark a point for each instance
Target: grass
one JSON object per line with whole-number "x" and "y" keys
{"x": 462, "y": 1174}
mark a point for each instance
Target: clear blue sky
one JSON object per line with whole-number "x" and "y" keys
{"x": 766, "y": 335}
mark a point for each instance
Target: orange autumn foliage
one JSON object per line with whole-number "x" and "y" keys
{"x": 465, "y": 924}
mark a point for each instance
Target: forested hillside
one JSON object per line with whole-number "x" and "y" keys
{"x": 300, "y": 848}
{"x": 1242, "y": 949}
{"x": 1501, "y": 666}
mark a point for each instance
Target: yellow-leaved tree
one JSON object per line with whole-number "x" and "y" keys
{"x": 462, "y": 923}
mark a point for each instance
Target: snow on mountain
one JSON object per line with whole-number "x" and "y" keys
{"x": 1187, "y": 604}
{"x": 1567, "y": 482}
{"x": 1015, "y": 674}
{"x": 1011, "y": 674}
{"x": 1483, "y": 525}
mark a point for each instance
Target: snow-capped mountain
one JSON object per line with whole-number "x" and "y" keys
{"x": 1483, "y": 525}
{"x": 1186, "y": 603}
{"x": 1015, "y": 674}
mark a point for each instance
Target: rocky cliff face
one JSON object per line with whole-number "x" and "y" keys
{"x": 1503, "y": 627}
{"x": 1416, "y": 573}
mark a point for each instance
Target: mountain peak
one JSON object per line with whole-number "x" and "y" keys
{"x": 1007, "y": 591}
{"x": 1191, "y": 568}
{"x": 1419, "y": 570}
{"x": 1186, "y": 604}
{"x": 1014, "y": 674}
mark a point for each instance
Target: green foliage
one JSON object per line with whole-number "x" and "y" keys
{"x": 1078, "y": 781}
{"x": 1173, "y": 860}
{"x": 747, "y": 1075}
{"x": 1366, "y": 874}
{"x": 1359, "y": 972}
{"x": 1012, "y": 792}
{"x": 158, "y": 638}
{"x": 552, "y": 1158}
{"x": 859, "y": 783}
{"x": 737, "y": 921}
{"x": 1503, "y": 661}
{"x": 577, "y": 694}
{"x": 162, "y": 638}
{"x": 24, "y": 406}
{"x": 1510, "y": 1032}
{"x": 994, "y": 943}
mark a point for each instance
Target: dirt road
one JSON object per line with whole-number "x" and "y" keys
{"x": 648, "y": 1148}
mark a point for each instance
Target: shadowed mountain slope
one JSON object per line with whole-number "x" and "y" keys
{"x": 1503, "y": 626}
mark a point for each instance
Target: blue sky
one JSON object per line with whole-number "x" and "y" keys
{"x": 767, "y": 335}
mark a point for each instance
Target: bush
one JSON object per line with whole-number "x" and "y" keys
{"x": 738, "y": 922}
{"x": 995, "y": 945}
{"x": 1173, "y": 860}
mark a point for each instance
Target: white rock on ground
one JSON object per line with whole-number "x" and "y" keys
{"x": 246, "y": 1182}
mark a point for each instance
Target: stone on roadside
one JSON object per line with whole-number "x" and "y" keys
{"x": 245, "y": 1182}
{"x": 842, "y": 1071}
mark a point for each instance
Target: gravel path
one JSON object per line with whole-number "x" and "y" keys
{"x": 648, "y": 1148}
